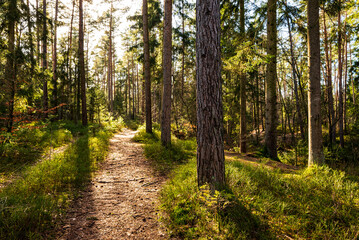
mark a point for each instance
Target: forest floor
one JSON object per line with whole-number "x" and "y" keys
{"x": 121, "y": 200}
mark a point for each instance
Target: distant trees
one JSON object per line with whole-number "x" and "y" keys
{"x": 210, "y": 151}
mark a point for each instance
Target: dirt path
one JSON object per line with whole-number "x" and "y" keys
{"x": 120, "y": 202}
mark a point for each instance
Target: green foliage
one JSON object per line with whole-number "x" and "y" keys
{"x": 164, "y": 158}
{"x": 29, "y": 205}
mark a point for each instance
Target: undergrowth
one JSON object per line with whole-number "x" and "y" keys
{"x": 258, "y": 202}
{"x": 32, "y": 203}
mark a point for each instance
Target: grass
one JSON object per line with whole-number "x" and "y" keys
{"x": 258, "y": 202}
{"x": 27, "y": 144}
{"x": 32, "y": 203}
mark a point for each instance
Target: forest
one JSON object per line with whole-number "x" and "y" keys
{"x": 179, "y": 119}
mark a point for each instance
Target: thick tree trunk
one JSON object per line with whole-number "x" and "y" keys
{"x": 147, "y": 69}
{"x": 243, "y": 97}
{"x": 167, "y": 70}
{"x": 82, "y": 65}
{"x": 210, "y": 151}
{"x": 45, "y": 99}
{"x": 315, "y": 149}
{"x": 271, "y": 88}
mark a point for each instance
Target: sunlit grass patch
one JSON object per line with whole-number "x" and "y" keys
{"x": 258, "y": 202}
{"x": 30, "y": 205}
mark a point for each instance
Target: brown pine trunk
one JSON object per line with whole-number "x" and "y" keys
{"x": 82, "y": 65}
{"x": 315, "y": 149}
{"x": 54, "y": 57}
{"x": 29, "y": 25}
{"x": 146, "y": 67}
{"x": 210, "y": 151}
{"x": 167, "y": 70}
{"x": 109, "y": 71}
{"x": 243, "y": 97}
{"x": 45, "y": 100}
{"x": 340, "y": 80}
{"x": 271, "y": 88}
{"x": 10, "y": 72}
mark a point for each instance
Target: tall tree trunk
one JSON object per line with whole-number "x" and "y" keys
{"x": 271, "y": 88}
{"x": 146, "y": 68}
{"x": 44, "y": 59}
{"x": 331, "y": 115}
{"x": 243, "y": 80}
{"x": 38, "y": 26}
{"x": 29, "y": 26}
{"x": 167, "y": 70}
{"x": 315, "y": 149}
{"x": 210, "y": 150}
{"x": 340, "y": 79}
{"x": 10, "y": 73}
{"x": 109, "y": 72}
{"x": 133, "y": 88}
{"x": 54, "y": 57}
{"x": 82, "y": 65}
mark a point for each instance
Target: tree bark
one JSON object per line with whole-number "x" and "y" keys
{"x": 243, "y": 97}
{"x": 10, "y": 73}
{"x": 54, "y": 57}
{"x": 29, "y": 25}
{"x": 271, "y": 88}
{"x": 167, "y": 70}
{"x": 82, "y": 65}
{"x": 45, "y": 99}
{"x": 210, "y": 151}
{"x": 147, "y": 69}
{"x": 340, "y": 79}
{"x": 315, "y": 149}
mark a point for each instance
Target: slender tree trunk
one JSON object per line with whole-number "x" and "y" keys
{"x": 29, "y": 26}
{"x": 146, "y": 67}
{"x": 54, "y": 57}
{"x": 331, "y": 116}
{"x": 167, "y": 70}
{"x": 44, "y": 59}
{"x": 295, "y": 82}
{"x": 10, "y": 73}
{"x": 82, "y": 65}
{"x": 38, "y": 27}
{"x": 133, "y": 89}
{"x": 315, "y": 149}
{"x": 210, "y": 150}
{"x": 340, "y": 79}
{"x": 271, "y": 88}
{"x": 109, "y": 72}
{"x": 243, "y": 97}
